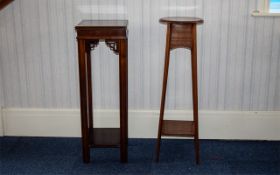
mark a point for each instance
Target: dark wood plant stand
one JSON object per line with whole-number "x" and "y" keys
{"x": 114, "y": 33}
{"x": 181, "y": 33}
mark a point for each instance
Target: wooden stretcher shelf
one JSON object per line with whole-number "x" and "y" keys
{"x": 105, "y": 137}
{"x": 178, "y": 128}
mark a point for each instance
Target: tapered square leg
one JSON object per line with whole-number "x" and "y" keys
{"x": 164, "y": 86}
{"x": 195, "y": 92}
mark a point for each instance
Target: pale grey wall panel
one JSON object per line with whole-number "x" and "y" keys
{"x": 1, "y": 93}
{"x": 22, "y": 84}
{"x": 238, "y": 55}
{"x": 248, "y": 62}
{"x": 274, "y": 77}
{"x": 9, "y": 69}
{"x": 45, "y": 48}
{"x": 2, "y": 101}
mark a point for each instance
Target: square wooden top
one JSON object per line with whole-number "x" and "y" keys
{"x": 102, "y": 23}
{"x": 102, "y": 29}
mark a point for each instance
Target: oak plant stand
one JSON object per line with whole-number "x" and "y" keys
{"x": 114, "y": 33}
{"x": 181, "y": 33}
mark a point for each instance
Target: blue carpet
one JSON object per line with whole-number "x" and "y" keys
{"x": 51, "y": 156}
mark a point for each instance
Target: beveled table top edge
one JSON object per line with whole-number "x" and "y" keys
{"x": 101, "y": 23}
{"x": 181, "y": 20}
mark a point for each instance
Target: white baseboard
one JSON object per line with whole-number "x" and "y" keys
{"x": 142, "y": 124}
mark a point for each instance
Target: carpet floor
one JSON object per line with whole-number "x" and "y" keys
{"x": 51, "y": 156}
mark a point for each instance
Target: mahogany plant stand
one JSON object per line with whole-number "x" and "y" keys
{"x": 114, "y": 33}
{"x": 181, "y": 33}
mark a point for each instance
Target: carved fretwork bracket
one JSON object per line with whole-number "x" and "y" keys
{"x": 113, "y": 45}
{"x": 93, "y": 44}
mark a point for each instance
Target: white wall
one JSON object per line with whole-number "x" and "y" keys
{"x": 238, "y": 55}
{"x": 1, "y": 101}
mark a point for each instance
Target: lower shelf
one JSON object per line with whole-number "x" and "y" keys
{"x": 178, "y": 128}
{"x": 105, "y": 137}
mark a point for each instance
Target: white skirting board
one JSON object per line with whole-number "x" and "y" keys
{"x": 233, "y": 125}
